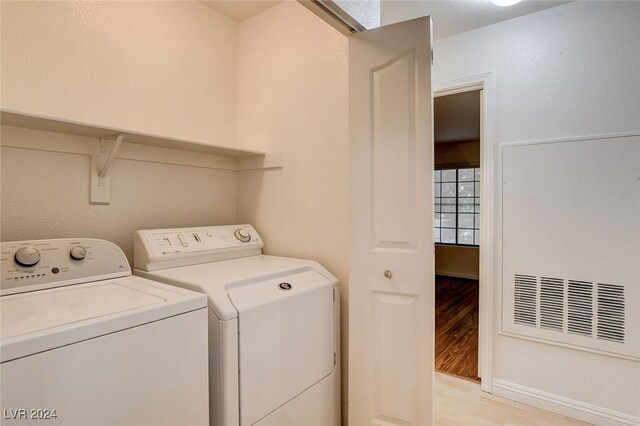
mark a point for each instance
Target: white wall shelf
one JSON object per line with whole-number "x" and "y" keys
{"x": 31, "y": 121}
{"x": 107, "y": 144}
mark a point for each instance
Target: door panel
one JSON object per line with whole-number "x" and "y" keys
{"x": 393, "y": 100}
{"x": 394, "y": 363}
{"x": 391, "y": 158}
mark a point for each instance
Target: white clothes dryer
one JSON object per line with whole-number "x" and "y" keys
{"x": 273, "y": 323}
{"x": 83, "y": 342}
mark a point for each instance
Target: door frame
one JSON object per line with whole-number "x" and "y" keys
{"x": 488, "y": 211}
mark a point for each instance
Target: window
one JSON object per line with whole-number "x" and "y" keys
{"x": 457, "y": 206}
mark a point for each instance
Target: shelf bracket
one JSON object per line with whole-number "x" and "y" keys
{"x": 112, "y": 154}
{"x": 101, "y": 163}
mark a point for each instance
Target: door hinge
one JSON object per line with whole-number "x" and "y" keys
{"x": 432, "y": 56}
{"x": 334, "y": 294}
{"x": 334, "y": 358}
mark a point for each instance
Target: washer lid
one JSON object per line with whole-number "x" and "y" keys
{"x": 286, "y": 339}
{"x": 31, "y": 312}
{"x": 41, "y": 320}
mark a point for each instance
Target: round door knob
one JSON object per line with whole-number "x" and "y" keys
{"x": 27, "y": 256}
{"x": 242, "y": 235}
{"x": 387, "y": 273}
{"x": 78, "y": 253}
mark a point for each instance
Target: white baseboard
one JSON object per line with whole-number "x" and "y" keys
{"x": 561, "y": 405}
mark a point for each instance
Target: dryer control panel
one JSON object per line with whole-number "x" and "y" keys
{"x": 40, "y": 264}
{"x": 170, "y": 248}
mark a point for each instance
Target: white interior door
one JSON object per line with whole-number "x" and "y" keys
{"x": 391, "y": 296}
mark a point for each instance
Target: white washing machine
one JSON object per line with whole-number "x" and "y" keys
{"x": 273, "y": 323}
{"x": 83, "y": 342}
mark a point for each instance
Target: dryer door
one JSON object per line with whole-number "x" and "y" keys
{"x": 286, "y": 341}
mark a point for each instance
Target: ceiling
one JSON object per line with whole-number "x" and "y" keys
{"x": 239, "y": 10}
{"x": 456, "y": 118}
{"x": 456, "y": 16}
{"x": 449, "y": 16}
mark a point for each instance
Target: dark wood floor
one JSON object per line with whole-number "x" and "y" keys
{"x": 457, "y": 327}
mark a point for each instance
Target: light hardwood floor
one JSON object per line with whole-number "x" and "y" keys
{"x": 461, "y": 402}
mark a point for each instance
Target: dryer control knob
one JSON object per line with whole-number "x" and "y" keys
{"x": 242, "y": 235}
{"x": 78, "y": 253}
{"x": 27, "y": 256}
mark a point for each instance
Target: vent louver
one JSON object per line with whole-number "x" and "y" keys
{"x": 611, "y": 312}
{"x": 526, "y": 300}
{"x": 555, "y": 307}
{"x": 580, "y": 305}
{"x": 551, "y": 303}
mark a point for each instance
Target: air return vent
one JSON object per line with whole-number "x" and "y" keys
{"x": 611, "y": 312}
{"x": 580, "y": 305}
{"x": 525, "y": 300}
{"x": 551, "y": 303}
{"x": 566, "y": 311}
{"x": 563, "y": 250}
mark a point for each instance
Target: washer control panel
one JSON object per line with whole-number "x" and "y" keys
{"x": 186, "y": 244}
{"x": 40, "y": 264}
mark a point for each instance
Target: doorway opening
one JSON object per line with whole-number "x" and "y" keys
{"x": 457, "y": 201}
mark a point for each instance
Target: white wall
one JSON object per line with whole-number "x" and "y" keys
{"x": 292, "y": 99}
{"x": 567, "y": 71}
{"x": 46, "y": 194}
{"x": 166, "y": 68}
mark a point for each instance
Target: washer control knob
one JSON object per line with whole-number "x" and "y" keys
{"x": 27, "y": 256}
{"x": 242, "y": 235}
{"x": 78, "y": 253}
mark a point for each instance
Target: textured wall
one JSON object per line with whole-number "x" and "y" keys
{"x": 166, "y": 68}
{"x": 46, "y": 195}
{"x": 161, "y": 67}
{"x": 293, "y": 99}
{"x": 568, "y": 71}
